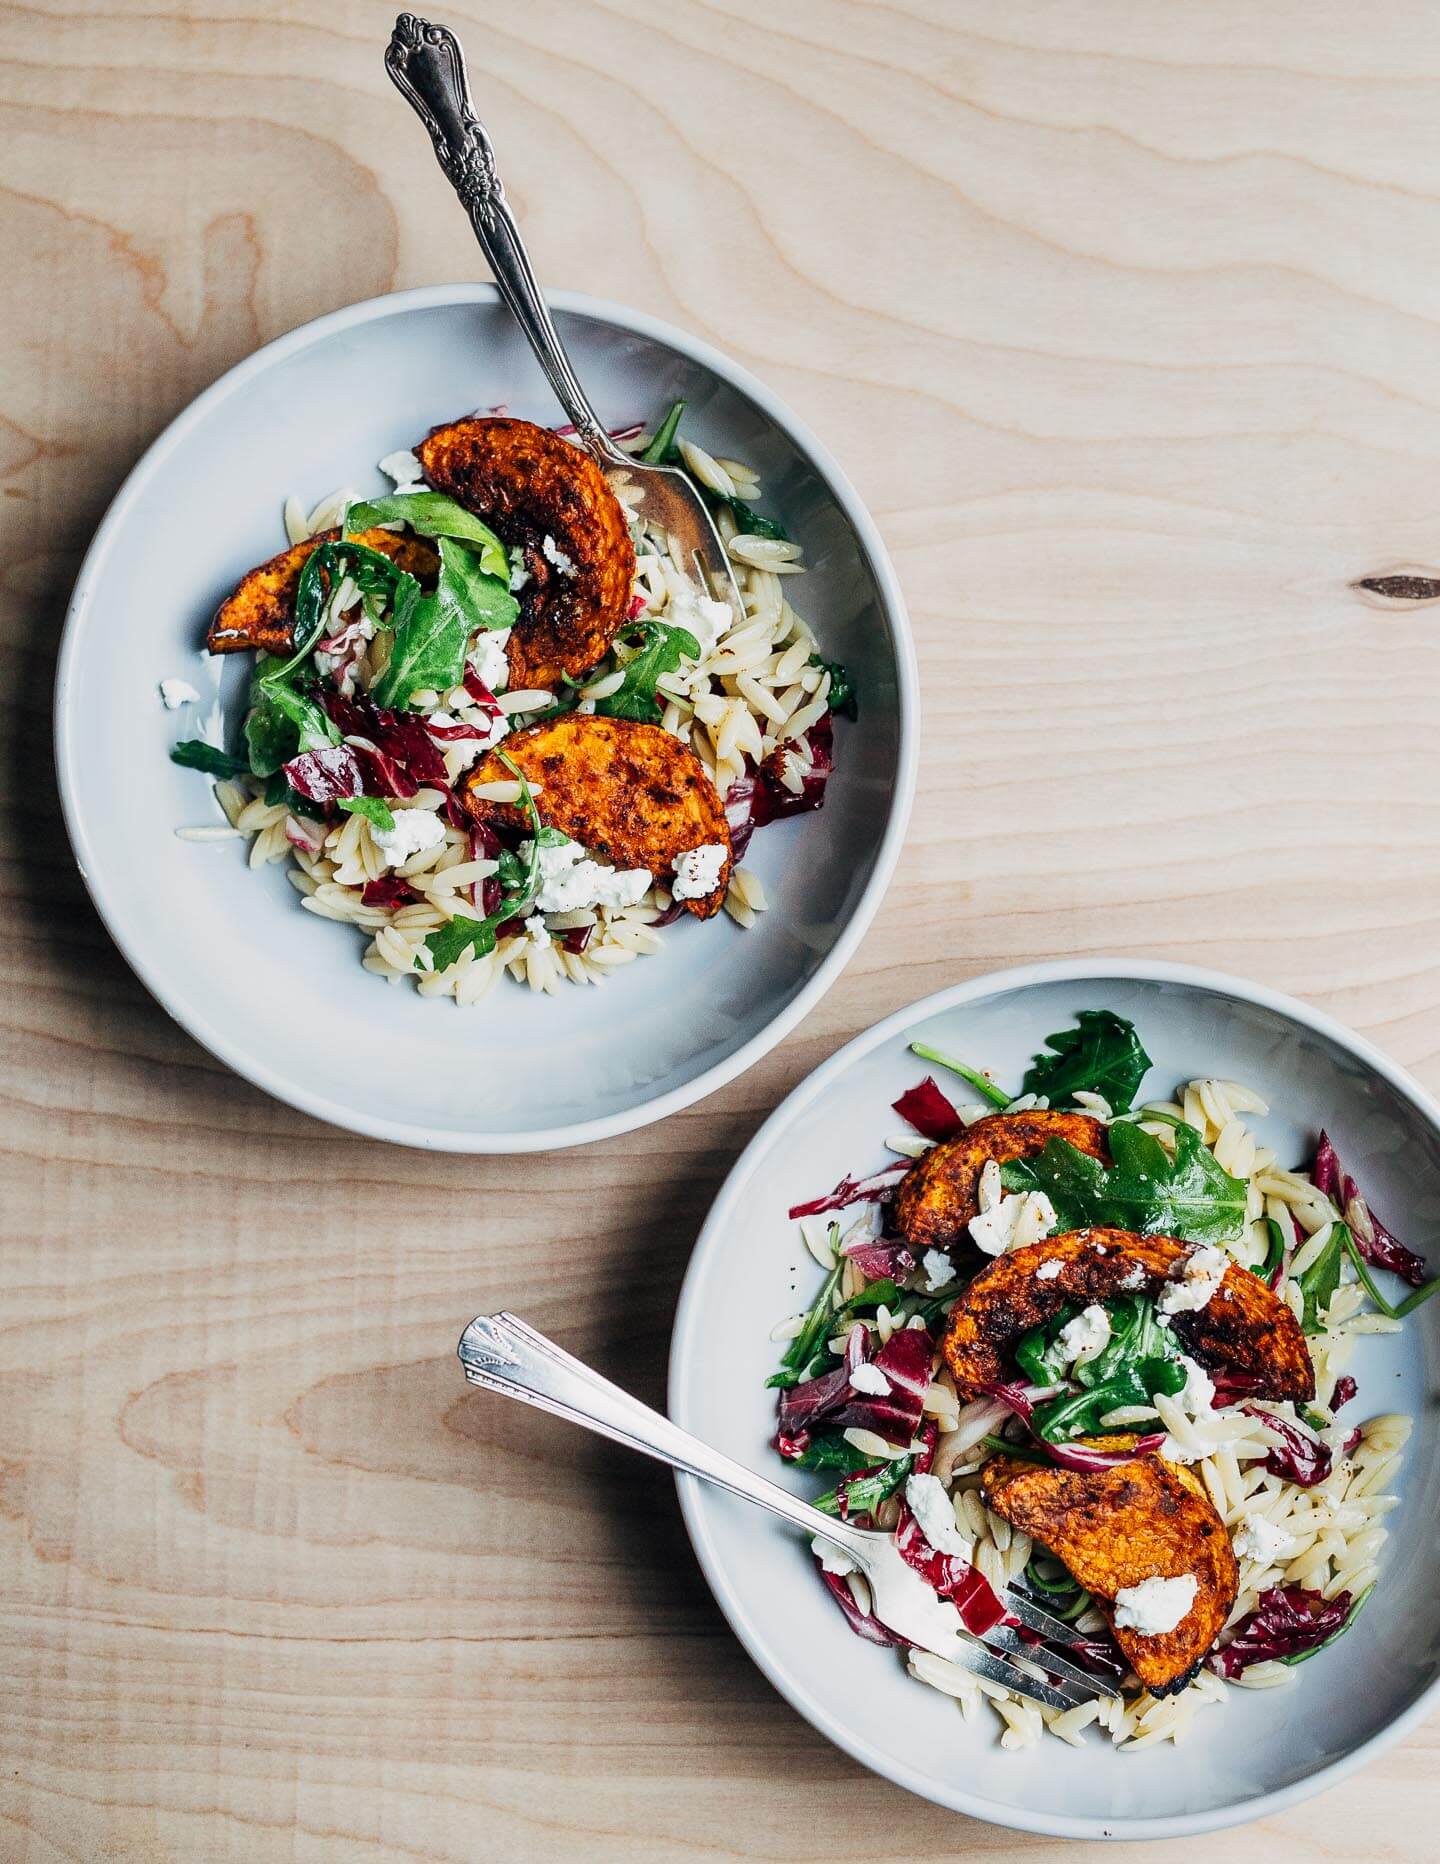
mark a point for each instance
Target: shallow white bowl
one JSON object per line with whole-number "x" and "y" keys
{"x": 279, "y": 994}
{"x": 1265, "y": 1749}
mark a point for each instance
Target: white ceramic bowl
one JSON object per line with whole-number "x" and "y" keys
{"x": 279, "y": 994}
{"x": 1266, "y": 1748}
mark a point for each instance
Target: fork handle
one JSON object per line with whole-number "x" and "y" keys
{"x": 505, "y": 1355}
{"x": 427, "y": 67}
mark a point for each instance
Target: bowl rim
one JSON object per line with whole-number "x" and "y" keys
{"x": 255, "y": 1068}
{"x": 688, "y": 1320}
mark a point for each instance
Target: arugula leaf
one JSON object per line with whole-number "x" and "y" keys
{"x": 375, "y": 576}
{"x": 664, "y": 648}
{"x": 829, "y": 1450}
{"x": 980, "y": 1082}
{"x": 196, "y": 754}
{"x": 458, "y": 935}
{"x": 661, "y": 450}
{"x": 843, "y": 697}
{"x": 865, "y": 1495}
{"x": 372, "y": 808}
{"x": 1191, "y": 1196}
{"x": 1318, "y": 1283}
{"x": 1274, "y": 1253}
{"x": 433, "y": 514}
{"x": 1138, "y": 1360}
{"x": 282, "y": 721}
{"x": 432, "y": 632}
{"x": 816, "y": 1330}
{"x": 1102, "y": 1056}
{"x": 279, "y": 794}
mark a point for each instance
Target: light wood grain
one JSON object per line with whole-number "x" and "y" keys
{"x": 1126, "y": 320}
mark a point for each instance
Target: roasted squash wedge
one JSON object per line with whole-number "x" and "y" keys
{"x": 1115, "y": 1528}
{"x": 1244, "y": 1328}
{"x": 937, "y": 1196}
{"x": 261, "y": 611}
{"x": 543, "y": 495}
{"x": 629, "y": 792}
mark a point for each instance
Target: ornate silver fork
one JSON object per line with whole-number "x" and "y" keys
{"x": 504, "y": 1355}
{"x": 427, "y": 66}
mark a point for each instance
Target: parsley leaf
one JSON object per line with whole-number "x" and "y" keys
{"x": 1189, "y": 1196}
{"x": 1103, "y": 1055}
{"x": 196, "y": 754}
{"x": 663, "y": 648}
{"x": 371, "y": 807}
{"x": 432, "y": 514}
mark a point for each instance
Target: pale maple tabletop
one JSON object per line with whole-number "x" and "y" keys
{"x": 1125, "y": 319}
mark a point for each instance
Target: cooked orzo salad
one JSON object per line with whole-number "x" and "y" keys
{"x": 494, "y": 722}
{"x": 1094, "y": 1348}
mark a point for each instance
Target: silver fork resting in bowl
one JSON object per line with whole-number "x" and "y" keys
{"x": 505, "y": 1355}
{"x": 427, "y": 66}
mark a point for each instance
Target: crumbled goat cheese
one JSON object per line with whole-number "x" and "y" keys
{"x": 698, "y": 614}
{"x": 1197, "y": 1394}
{"x": 1155, "y": 1606}
{"x": 1008, "y": 1220}
{"x": 868, "y": 1378}
{"x": 405, "y": 469}
{"x": 1260, "y": 1539}
{"x": 698, "y": 870}
{"x": 175, "y": 693}
{"x": 1134, "y": 1276}
{"x": 1048, "y": 1269}
{"x": 926, "y": 1499}
{"x": 487, "y": 658}
{"x": 519, "y": 574}
{"x": 570, "y": 880}
{"x": 415, "y": 830}
{"x": 832, "y": 1559}
{"x": 536, "y": 931}
{"x": 939, "y": 1270}
{"x": 1085, "y": 1336}
{"x": 1199, "y": 1275}
{"x": 552, "y": 553}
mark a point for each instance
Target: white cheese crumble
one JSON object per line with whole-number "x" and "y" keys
{"x": 926, "y": 1499}
{"x": 552, "y": 553}
{"x": 832, "y": 1559}
{"x": 405, "y": 469}
{"x": 487, "y": 657}
{"x": 1008, "y": 1220}
{"x": 1155, "y": 1606}
{"x": 868, "y": 1378}
{"x": 1049, "y": 1269}
{"x": 698, "y": 614}
{"x": 570, "y": 880}
{"x": 1260, "y": 1539}
{"x": 175, "y": 693}
{"x": 1086, "y": 1336}
{"x": 939, "y": 1270}
{"x": 1197, "y": 1394}
{"x": 1134, "y": 1276}
{"x": 536, "y": 931}
{"x": 698, "y": 870}
{"x": 1193, "y": 1281}
{"x": 415, "y": 830}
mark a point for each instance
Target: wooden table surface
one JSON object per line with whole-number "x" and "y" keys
{"x": 1126, "y": 320}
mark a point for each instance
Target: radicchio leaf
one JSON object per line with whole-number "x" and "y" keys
{"x": 324, "y": 776}
{"x": 1380, "y": 1248}
{"x": 878, "y": 1261}
{"x": 763, "y": 796}
{"x": 928, "y": 1110}
{"x": 389, "y": 890}
{"x": 404, "y": 753}
{"x": 1301, "y": 1457}
{"x": 863, "y": 1624}
{"x": 878, "y": 1188}
{"x": 1345, "y": 1390}
{"x": 1070, "y": 1455}
{"x": 1286, "y": 1621}
{"x": 952, "y": 1578}
{"x": 894, "y": 1415}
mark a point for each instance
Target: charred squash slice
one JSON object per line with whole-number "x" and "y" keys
{"x": 1244, "y": 1328}
{"x": 1115, "y": 1528}
{"x": 552, "y": 501}
{"x": 261, "y": 611}
{"x": 937, "y": 1196}
{"x": 629, "y": 792}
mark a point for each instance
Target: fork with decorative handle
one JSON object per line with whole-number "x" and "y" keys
{"x": 505, "y": 1355}
{"x": 427, "y": 66}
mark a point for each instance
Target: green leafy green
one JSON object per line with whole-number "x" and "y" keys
{"x": 1274, "y": 1252}
{"x": 432, "y": 514}
{"x": 1318, "y": 1283}
{"x": 1138, "y": 1360}
{"x": 1392, "y": 1311}
{"x": 980, "y": 1082}
{"x": 1102, "y": 1055}
{"x": 828, "y": 1449}
{"x": 843, "y": 697}
{"x": 865, "y": 1495}
{"x": 432, "y": 632}
{"x": 1189, "y": 1196}
{"x": 282, "y": 720}
{"x": 661, "y": 450}
{"x": 372, "y": 808}
{"x": 279, "y": 795}
{"x": 663, "y": 647}
{"x": 461, "y": 934}
{"x": 816, "y": 1330}
{"x": 196, "y": 754}
{"x": 377, "y": 579}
